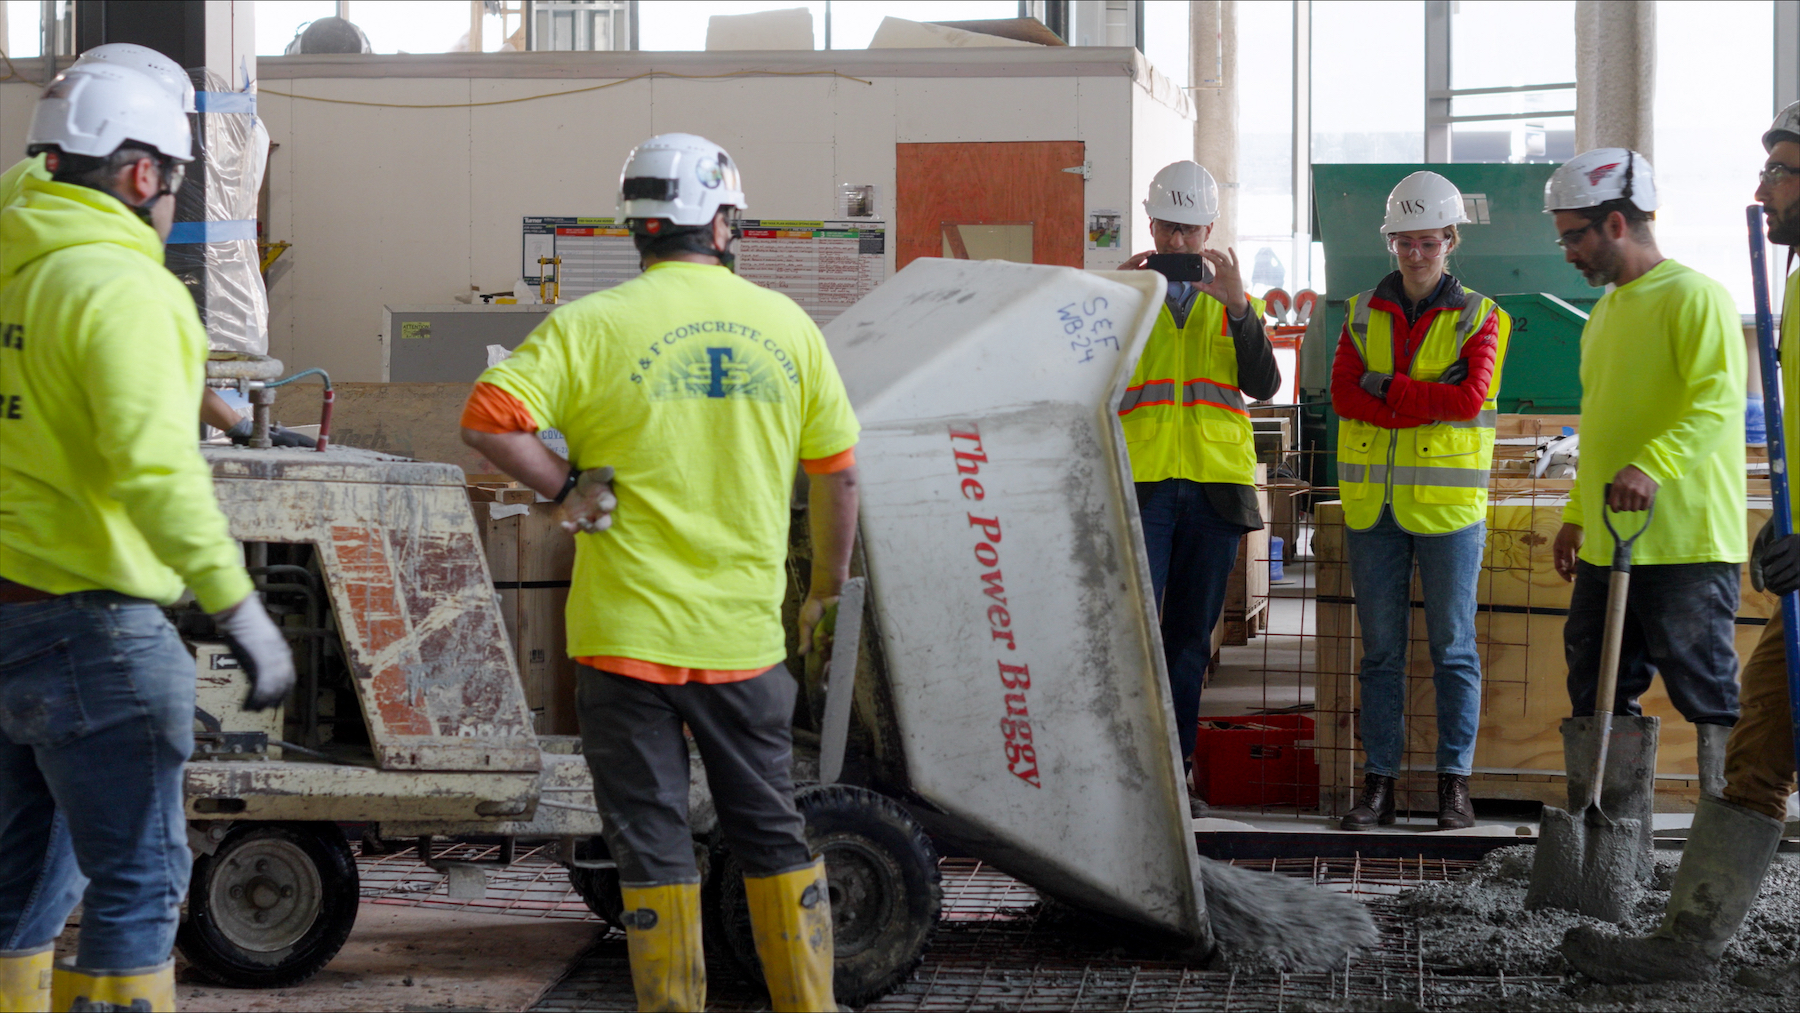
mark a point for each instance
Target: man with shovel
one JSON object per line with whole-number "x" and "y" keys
{"x": 1734, "y": 837}
{"x": 1662, "y": 419}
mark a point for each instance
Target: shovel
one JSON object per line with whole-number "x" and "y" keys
{"x": 1588, "y": 862}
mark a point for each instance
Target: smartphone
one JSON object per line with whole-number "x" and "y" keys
{"x": 1180, "y": 266}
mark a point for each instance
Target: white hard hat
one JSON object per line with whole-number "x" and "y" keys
{"x": 1183, "y": 193}
{"x": 1594, "y": 177}
{"x": 167, "y": 72}
{"x": 1423, "y": 200}
{"x": 93, "y": 109}
{"x": 1785, "y": 128}
{"x": 682, "y": 179}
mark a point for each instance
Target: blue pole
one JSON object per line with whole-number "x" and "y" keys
{"x": 1778, "y": 478}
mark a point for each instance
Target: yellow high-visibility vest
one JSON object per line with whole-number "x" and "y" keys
{"x": 1435, "y": 476}
{"x": 1183, "y": 414}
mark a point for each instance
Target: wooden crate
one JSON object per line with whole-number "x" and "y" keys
{"x": 532, "y": 558}
{"x": 1247, "y": 593}
{"x": 1518, "y": 753}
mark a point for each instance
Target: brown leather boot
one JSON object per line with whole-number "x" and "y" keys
{"x": 1455, "y": 811}
{"x": 1374, "y": 804}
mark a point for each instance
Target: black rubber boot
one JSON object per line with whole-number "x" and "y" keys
{"x": 1455, "y": 811}
{"x": 1374, "y": 806}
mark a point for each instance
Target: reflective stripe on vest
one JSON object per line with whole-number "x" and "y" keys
{"x": 1449, "y": 478}
{"x": 1193, "y": 392}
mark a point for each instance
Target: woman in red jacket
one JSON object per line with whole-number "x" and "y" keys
{"x": 1413, "y": 385}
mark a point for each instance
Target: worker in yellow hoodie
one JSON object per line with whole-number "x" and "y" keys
{"x": 106, "y": 513}
{"x": 1734, "y": 835}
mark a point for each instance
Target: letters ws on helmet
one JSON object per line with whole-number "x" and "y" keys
{"x": 1592, "y": 178}
{"x": 1785, "y": 128}
{"x": 95, "y": 108}
{"x": 1423, "y": 200}
{"x": 1183, "y": 193}
{"x": 142, "y": 58}
{"x": 677, "y": 181}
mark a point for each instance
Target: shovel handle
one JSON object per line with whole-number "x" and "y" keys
{"x": 1622, "y": 546}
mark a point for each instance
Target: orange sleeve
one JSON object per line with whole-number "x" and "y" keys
{"x": 828, "y": 465}
{"x": 491, "y": 409}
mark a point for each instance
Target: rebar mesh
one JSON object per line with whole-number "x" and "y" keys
{"x": 534, "y": 885}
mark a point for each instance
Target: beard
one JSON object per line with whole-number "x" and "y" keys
{"x": 1602, "y": 269}
{"x": 1784, "y": 224}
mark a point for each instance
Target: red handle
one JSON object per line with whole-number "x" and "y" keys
{"x": 325, "y": 419}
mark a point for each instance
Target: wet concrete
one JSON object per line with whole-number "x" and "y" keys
{"x": 1478, "y": 925}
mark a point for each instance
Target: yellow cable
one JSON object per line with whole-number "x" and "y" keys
{"x": 576, "y": 91}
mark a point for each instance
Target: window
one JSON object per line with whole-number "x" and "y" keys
{"x": 1265, "y": 196}
{"x": 681, "y": 24}
{"x": 1166, "y": 38}
{"x": 1368, "y": 60}
{"x": 1708, "y": 134}
{"x": 1511, "y": 69}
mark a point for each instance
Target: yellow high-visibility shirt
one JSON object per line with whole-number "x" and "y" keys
{"x": 703, "y": 392}
{"x": 1790, "y": 372}
{"x": 1662, "y": 388}
{"x": 102, "y": 361}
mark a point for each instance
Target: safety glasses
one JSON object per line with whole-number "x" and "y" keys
{"x": 1406, "y": 246}
{"x": 1773, "y": 173}
{"x": 1176, "y": 228}
{"x": 1573, "y": 236}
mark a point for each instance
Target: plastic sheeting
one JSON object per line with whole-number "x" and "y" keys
{"x": 213, "y": 246}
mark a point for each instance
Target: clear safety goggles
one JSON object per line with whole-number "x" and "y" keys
{"x": 1176, "y": 228}
{"x": 1773, "y": 173}
{"x": 1405, "y": 246}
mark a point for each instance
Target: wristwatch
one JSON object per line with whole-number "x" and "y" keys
{"x": 568, "y": 484}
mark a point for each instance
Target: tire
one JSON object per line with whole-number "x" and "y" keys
{"x": 885, "y": 892}
{"x": 271, "y": 906}
{"x": 599, "y": 888}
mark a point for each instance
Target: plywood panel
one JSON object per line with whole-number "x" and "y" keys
{"x": 991, "y": 182}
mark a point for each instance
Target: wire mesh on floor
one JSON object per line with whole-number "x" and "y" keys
{"x": 1000, "y": 946}
{"x": 534, "y": 885}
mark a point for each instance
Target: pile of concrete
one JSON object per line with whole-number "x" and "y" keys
{"x": 1477, "y": 925}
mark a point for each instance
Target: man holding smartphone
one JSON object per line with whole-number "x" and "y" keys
{"x": 1187, "y": 428}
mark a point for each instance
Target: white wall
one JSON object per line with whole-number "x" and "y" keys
{"x": 393, "y": 206}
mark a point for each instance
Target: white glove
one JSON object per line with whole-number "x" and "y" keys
{"x": 261, "y": 649}
{"x": 591, "y": 503}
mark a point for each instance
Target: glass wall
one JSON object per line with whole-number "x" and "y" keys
{"x": 1368, "y": 69}
{"x": 1507, "y": 50}
{"x": 1714, "y": 88}
{"x": 1265, "y": 197}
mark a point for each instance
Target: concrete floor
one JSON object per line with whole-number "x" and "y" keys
{"x": 1274, "y": 671}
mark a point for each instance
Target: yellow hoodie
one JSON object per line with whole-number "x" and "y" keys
{"x": 102, "y": 361}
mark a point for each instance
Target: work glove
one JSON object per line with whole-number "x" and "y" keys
{"x": 590, "y": 505}
{"x": 240, "y": 435}
{"x": 261, "y": 649}
{"x": 1775, "y": 566}
{"x": 1457, "y": 373}
{"x": 1376, "y": 383}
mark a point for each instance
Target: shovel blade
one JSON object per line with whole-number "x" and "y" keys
{"x": 1585, "y": 863}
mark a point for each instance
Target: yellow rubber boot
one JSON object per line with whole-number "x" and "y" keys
{"x": 25, "y": 979}
{"x": 790, "y": 916}
{"x": 147, "y": 989}
{"x": 662, "y": 934}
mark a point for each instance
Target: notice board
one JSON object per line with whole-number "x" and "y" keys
{"x": 825, "y": 266}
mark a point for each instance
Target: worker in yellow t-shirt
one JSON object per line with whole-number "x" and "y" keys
{"x": 688, "y": 396}
{"x": 1735, "y": 834}
{"x": 1662, "y": 418}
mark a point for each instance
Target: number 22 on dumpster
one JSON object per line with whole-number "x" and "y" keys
{"x": 1083, "y": 323}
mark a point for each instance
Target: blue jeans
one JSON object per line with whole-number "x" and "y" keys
{"x": 1381, "y": 564}
{"x": 1192, "y": 550}
{"x": 96, "y": 721}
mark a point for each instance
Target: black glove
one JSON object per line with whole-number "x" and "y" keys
{"x": 1758, "y": 546}
{"x": 1457, "y": 373}
{"x": 240, "y": 435}
{"x": 1780, "y": 565}
{"x": 1376, "y": 383}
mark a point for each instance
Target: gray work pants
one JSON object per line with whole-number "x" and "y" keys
{"x": 631, "y": 735}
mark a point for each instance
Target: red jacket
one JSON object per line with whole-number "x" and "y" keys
{"x": 1412, "y": 402}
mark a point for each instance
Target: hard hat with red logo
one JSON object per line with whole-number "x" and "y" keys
{"x": 1785, "y": 128}
{"x": 1183, "y": 193}
{"x": 1423, "y": 200}
{"x": 1592, "y": 178}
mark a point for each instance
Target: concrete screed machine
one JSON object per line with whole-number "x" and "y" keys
{"x": 999, "y": 687}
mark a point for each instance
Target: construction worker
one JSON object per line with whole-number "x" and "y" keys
{"x": 109, "y": 513}
{"x": 1734, "y": 837}
{"x": 703, "y": 393}
{"x": 1193, "y": 455}
{"x": 215, "y": 411}
{"x": 1662, "y": 420}
{"x": 1414, "y": 382}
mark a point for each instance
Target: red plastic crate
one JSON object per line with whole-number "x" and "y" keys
{"x": 1252, "y": 761}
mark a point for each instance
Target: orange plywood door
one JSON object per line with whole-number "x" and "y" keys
{"x": 991, "y": 199}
